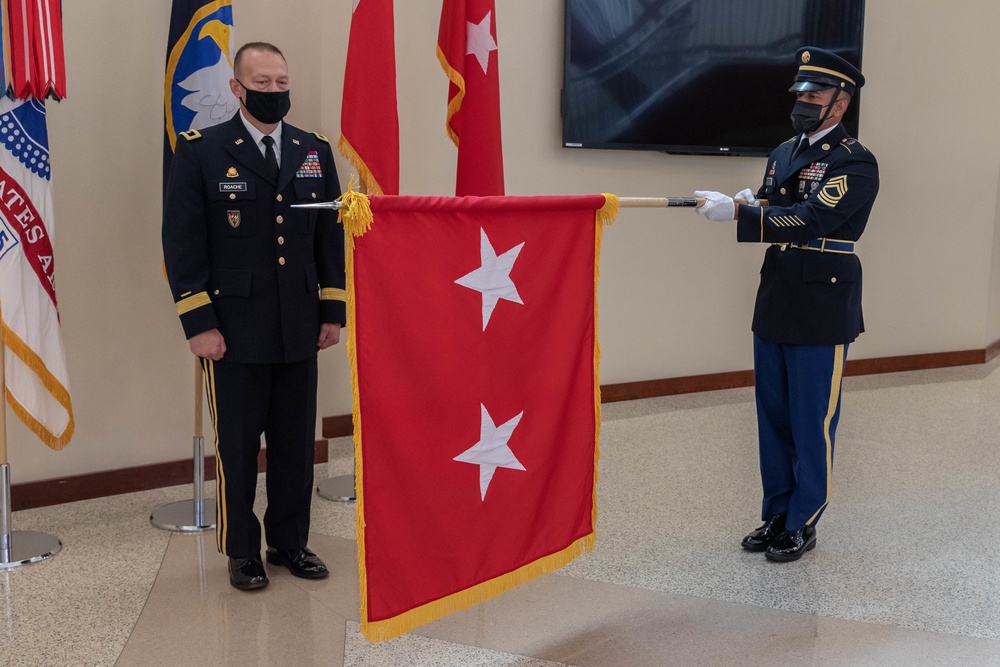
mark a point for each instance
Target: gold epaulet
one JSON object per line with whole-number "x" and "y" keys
{"x": 191, "y": 135}
{"x": 320, "y": 137}
{"x": 795, "y": 138}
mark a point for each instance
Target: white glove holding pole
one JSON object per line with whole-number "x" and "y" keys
{"x": 746, "y": 196}
{"x": 717, "y": 206}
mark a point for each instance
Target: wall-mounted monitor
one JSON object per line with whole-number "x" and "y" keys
{"x": 707, "y": 77}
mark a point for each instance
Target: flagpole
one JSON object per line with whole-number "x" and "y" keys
{"x": 16, "y": 547}
{"x": 665, "y": 202}
{"x": 191, "y": 516}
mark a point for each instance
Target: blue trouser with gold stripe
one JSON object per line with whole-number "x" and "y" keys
{"x": 278, "y": 401}
{"x": 798, "y": 391}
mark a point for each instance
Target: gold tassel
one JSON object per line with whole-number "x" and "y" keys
{"x": 355, "y": 211}
{"x": 607, "y": 213}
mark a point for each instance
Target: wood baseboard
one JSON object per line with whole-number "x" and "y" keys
{"x": 123, "y": 480}
{"x": 142, "y": 478}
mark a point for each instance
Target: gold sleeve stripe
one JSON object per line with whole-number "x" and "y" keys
{"x": 332, "y": 294}
{"x": 197, "y": 301}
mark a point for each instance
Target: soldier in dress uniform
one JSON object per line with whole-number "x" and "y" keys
{"x": 819, "y": 186}
{"x": 259, "y": 288}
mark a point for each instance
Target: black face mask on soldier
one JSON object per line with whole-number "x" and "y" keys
{"x": 806, "y": 116}
{"x": 268, "y": 108}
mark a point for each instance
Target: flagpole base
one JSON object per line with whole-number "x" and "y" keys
{"x": 189, "y": 516}
{"x": 183, "y": 517}
{"x": 27, "y": 547}
{"x": 340, "y": 489}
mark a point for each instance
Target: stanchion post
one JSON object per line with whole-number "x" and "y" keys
{"x": 20, "y": 547}
{"x": 190, "y": 516}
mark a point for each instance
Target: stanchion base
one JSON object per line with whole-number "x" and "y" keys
{"x": 28, "y": 547}
{"x": 179, "y": 516}
{"x": 340, "y": 488}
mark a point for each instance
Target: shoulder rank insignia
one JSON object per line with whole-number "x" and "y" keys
{"x": 191, "y": 135}
{"x": 232, "y": 173}
{"x": 852, "y": 144}
{"x": 320, "y": 137}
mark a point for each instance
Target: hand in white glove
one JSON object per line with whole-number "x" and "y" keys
{"x": 717, "y": 206}
{"x": 748, "y": 197}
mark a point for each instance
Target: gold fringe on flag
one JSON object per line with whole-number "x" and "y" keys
{"x": 378, "y": 631}
{"x": 355, "y": 212}
{"x": 367, "y": 178}
{"x": 607, "y": 213}
{"x": 455, "y": 103}
{"x": 51, "y": 384}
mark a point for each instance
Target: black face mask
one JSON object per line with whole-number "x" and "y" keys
{"x": 268, "y": 108}
{"x": 805, "y": 116}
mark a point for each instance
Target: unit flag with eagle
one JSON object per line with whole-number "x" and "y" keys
{"x": 200, "y": 55}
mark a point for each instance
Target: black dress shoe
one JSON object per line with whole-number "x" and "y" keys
{"x": 247, "y": 574}
{"x": 791, "y": 545}
{"x": 761, "y": 539}
{"x": 300, "y": 562}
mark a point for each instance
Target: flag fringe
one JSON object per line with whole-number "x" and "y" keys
{"x": 359, "y": 487}
{"x": 455, "y": 103}
{"x": 355, "y": 210}
{"x": 52, "y": 385}
{"x": 378, "y": 631}
{"x": 364, "y": 173}
{"x": 606, "y": 214}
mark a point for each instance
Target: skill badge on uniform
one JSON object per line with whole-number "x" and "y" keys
{"x": 232, "y": 173}
{"x": 234, "y": 218}
{"x": 802, "y": 187}
{"x": 311, "y": 167}
{"x": 814, "y": 172}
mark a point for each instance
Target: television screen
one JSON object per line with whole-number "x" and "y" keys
{"x": 695, "y": 76}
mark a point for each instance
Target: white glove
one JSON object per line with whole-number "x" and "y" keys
{"x": 747, "y": 195}
{"x": 717, "y": 206}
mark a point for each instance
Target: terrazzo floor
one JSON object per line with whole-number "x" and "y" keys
{"x": 906, "y": 572}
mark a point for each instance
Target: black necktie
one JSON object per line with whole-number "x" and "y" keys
{"x": 800, "y": 148}
{"x": 270, "y": 159}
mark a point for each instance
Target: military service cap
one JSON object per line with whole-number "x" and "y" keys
{"x": 819, "y": 69}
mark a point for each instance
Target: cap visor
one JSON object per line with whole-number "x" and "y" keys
{"x": 807, "y": 86}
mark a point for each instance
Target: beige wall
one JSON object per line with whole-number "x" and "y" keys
{"x": 676, "y": 291}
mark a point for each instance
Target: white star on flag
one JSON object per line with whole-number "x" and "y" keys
{"x": 492, "y": 452}
{"x": 479, "y": 42}
{"x": 493, "y": 277}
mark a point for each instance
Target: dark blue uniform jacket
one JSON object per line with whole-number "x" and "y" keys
{"x": 809, "y": 296}
{"x": 239, "y": 258}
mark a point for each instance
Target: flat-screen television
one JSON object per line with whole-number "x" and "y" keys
{"x": 705, "y": 77}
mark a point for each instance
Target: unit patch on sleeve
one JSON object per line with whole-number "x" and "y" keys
{"x": 311, "y": 167}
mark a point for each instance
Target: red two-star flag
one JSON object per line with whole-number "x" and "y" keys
{"x": 37, "y": 63}
{"x": 467, "y": 50}
{"x": 369, "y": 122}
{"x": 477, "y": 406}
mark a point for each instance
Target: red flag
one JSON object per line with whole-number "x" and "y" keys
{"x": 467, "y": 49}
{"x": 369, "y": 124}
{"x": 477, "y": 408}
{"x": 37, "y": 63}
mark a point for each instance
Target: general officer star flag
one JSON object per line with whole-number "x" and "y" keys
{"x": 477, "y": 405}
{"x": 36, "y": 378}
